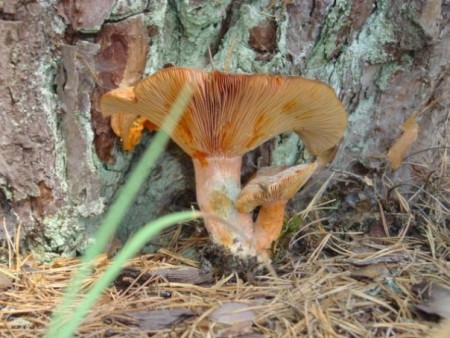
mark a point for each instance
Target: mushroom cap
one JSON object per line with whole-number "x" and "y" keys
{"x": 129, "y": 128}
{"x": 230, "y": 114}
{"x": 274, "y": 184}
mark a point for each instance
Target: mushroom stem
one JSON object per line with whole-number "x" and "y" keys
{"x": 268, "y": 226}
{"x": 218, "y": 183}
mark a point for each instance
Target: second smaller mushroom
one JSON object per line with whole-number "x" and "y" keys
{"x": 271, "y": 188}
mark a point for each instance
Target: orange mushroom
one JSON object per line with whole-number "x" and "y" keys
{"x": 227, "y": 116}
{"x": 271, "y": 188}
{"x": 129, "y": 128}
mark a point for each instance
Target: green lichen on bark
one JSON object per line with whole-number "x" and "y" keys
{"x": 330, "y": 59}
{"x": 285, "y": 150}
{"x": 168, "y": 179}
{"x": 350, "y": 64}
{"x": 5, "y": 190}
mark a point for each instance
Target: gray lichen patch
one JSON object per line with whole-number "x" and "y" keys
{"x": 7, "y": 193}
{"x": 285, "y": 150}
{"x": 386, "y": 72}
{"x": 236, "y": 53}
{"x": 200, "y": 24}
{"x": 169, "y": 182}
{"x": 66, "y": 236}
{"x": 122, "y": 9}
{"x": 366, "y": 48}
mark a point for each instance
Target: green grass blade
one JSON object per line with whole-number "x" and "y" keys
{"x": 75, "y": 317}
{"x": 119, "y": 207}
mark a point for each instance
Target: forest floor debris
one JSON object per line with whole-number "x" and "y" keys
{"x": 364, "y": 262}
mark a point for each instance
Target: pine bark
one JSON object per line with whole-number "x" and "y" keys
{"x": 60, "y": 164}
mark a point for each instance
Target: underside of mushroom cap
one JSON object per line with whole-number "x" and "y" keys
{"x": 273, "y": 184}
{"x": 230, "y": 114}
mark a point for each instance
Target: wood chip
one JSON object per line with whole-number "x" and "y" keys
{"x": 152, "y": 320}
{"x": 185, "y": 275}
{"x": 435, "y": 299}
{"x": 372, "y": 272}
{"x": 232, "y": 314}
{"x": 5, "y": 282}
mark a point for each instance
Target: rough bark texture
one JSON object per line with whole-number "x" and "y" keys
{"x": 60, "y": 165}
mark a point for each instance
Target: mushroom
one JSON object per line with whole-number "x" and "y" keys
{"x": 227, "y": 116}
{"x": 129, "y": 128}
{"x": 271, "y": 188}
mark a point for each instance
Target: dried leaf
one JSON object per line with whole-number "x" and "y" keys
{"x": 373, "y": 271}
{"x": 241, "y": 329}
{"x": 375, "y": 259}
{"x": 402, "y": 201}
{"x": 363, "y": 254}
{"x": 403, "y": 143}
{"x": 368, "y": 181}
{"x": 153, "y": 320}
{"x": 5, "y": 282}
{"x": 186, "y": 275}
{"x": 435, "y": 299}
{"x": 376, "y": 230}
{"x": 233, "y": 313}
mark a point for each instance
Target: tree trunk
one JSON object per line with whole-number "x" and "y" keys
{"x": 60, "y": 163}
